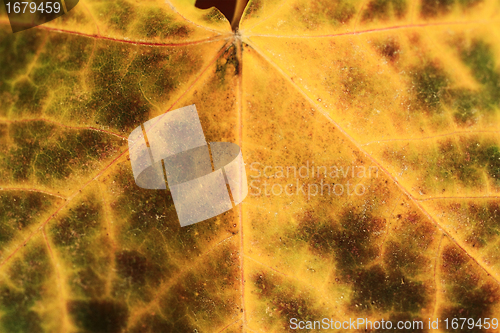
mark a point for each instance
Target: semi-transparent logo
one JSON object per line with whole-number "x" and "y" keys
{"x": 170, "y": 151}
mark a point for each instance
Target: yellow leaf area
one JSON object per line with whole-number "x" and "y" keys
{"x": 369, "y": 128}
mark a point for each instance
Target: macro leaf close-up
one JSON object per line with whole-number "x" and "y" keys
{"x": 370, "y": 133}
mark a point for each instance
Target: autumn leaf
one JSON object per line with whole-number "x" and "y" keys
{"x": 370, "y": 132}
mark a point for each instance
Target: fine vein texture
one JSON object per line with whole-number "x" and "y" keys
{"x": 370, "y": 130}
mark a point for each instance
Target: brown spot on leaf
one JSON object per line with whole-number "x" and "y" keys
{"x": 99, "y": 316}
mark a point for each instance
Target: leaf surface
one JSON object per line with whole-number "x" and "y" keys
{"x": 370, "y": 132}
